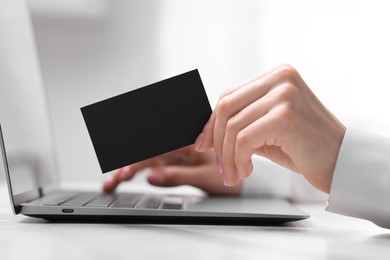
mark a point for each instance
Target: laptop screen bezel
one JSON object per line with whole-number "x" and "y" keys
{"x": 19, "y": 198}
{"x": 48, "y": 186}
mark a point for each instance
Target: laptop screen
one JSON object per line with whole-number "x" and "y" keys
{"x": 23, "y": 113}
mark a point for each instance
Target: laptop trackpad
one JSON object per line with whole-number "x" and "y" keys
{"x": 246, "y": 205}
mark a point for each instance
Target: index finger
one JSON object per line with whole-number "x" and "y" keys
{"x": 124, "y": 174}
{"x": 128, "y": 172}
{"x": 208, "y": 130}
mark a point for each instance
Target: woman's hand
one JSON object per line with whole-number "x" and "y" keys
{"x": 276, "y": 116}
{"x": 180, "y": 167}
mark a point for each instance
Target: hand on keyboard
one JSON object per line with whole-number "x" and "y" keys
{"x": 181, "y": 167}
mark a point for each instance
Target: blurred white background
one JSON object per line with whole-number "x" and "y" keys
{"x": 93, "y": 49}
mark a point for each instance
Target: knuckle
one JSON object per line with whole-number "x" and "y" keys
{"x": 242, "y": 139}
{"x": 287, "y": 72}
{"x": 288, "y": 92}
{"x": 287, "y": 111}
{"x": 226, "y": 92}
{"x": 232, "y": 125}
{"x": 223, "y": 107}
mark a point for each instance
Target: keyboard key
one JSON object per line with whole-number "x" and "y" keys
{"x": 126, "y": 200}
{"x": 121, "y": 200}
{"x": 149, "y": 202}
{"x": 102, "y": 201}
{"x": 55, "y": 201}
{"x": 173, "y": 202}
{"x": 172, "y": 206}
{"x": 80, "y": 200}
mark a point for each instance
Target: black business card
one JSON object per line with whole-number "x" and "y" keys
{"x": 148, "y": 121}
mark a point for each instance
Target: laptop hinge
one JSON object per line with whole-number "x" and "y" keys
{"x": 40, "y": 192}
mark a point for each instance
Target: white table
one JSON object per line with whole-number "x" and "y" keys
{"x": 323, "y": 236}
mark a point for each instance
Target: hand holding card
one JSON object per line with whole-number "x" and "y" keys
{"x": 148, "y": 121}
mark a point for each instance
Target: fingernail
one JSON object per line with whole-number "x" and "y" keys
{"x": 199, "y": 142}
{"x": 245, "y": 171}
{"x": 225, "y": 179}
{"x": 156, "y": 178}
{"x": 219, "y": 165}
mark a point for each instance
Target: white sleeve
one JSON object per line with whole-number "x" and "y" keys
{"x": 272, "y": 179}
{"x": 361, "y": 181}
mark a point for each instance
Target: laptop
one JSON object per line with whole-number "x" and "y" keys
{"x": 30, "y": 166}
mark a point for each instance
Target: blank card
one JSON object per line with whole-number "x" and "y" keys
{"x": 148, "y": 121}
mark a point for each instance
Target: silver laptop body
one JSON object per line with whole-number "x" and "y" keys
{"x": 30, "y": 165}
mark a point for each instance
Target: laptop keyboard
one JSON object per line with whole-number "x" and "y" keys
{"x": 119, "y": 200}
